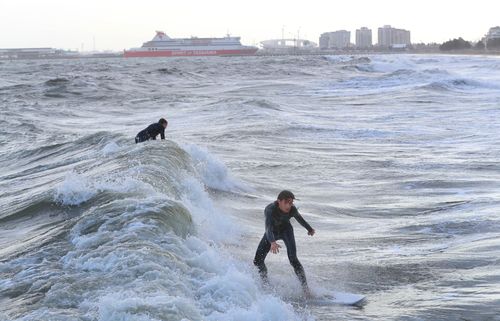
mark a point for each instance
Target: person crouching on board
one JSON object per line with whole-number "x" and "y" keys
{"x": 278, "y": 227}
{"x": 152, "y": 131}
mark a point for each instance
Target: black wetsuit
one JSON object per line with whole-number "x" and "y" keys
{"x": 150, "y": 133}
{"x": 278, "y": 227}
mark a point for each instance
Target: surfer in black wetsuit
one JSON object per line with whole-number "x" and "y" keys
{"x": 152, "y": 131}
{"x": 278, "y": 227}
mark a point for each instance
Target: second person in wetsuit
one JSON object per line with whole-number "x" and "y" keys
{"x": 152, "y": 131}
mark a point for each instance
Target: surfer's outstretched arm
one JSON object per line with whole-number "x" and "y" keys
{"x": 303, "y": 222}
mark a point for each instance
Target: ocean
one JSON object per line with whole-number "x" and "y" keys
{"x": 394, "y": 160}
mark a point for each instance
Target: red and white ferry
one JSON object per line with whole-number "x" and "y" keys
{"x": 164, "y": 46}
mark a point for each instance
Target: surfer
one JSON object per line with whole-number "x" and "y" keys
{"x": 278, "y": 227}
{"x": 152, "y": 131}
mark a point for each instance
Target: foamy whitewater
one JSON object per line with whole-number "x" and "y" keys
{"x": 395, "y": 160}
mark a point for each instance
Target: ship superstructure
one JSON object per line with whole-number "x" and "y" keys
{"x": 164, "y": 46}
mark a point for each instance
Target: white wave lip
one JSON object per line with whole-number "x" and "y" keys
{"x": 76, "y": 188}
{"x": 111, "y": 148}
{"x": 213, "y": 172}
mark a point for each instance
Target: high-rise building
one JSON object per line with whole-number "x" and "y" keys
{"x": 339, "y": 39}
{"x": 324, "y": 40}
{"x": 389, "y": 37}
{"x": 493, "y": 33}
{"x": 492, "y": 39}
{"x": 363, "y": 38}
{"x": 384, "y": 36}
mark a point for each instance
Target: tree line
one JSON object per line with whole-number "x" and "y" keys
{"x": 460, "y": 44}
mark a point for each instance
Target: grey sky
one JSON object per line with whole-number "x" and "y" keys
{"x": 123, "y": 24}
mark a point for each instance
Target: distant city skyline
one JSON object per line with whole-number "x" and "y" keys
{"x": 118, "y": 25}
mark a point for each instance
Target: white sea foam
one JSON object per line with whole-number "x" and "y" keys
{"x": 76, "y": 188}
{"x": 171, "y": 279}
{"x": 213, "y": 172}
{"x": 165, "y": 276}
{"x": 211, "y": 222}
{"x": 265, "y": 308}
{"x": 110, "y": 148}
{"x": 130, "y": 306}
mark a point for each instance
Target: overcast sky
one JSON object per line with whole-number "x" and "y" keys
{"x": 122, "y": 24}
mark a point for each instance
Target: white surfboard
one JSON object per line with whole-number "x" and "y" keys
{"x": 319, "y": 296}
{"x": 334, "y": 297}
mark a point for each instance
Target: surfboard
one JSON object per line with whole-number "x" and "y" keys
{"x": 334, "y": 297}
{"x": 319, "y": 297}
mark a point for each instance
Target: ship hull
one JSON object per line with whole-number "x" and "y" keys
{"x": 188, "y": 53}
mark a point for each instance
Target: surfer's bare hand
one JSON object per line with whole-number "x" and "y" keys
{"x": 311, "y": 232}
{"x": 275, "y": 247}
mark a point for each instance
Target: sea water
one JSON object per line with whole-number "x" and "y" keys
{"x": 394, "y": 159}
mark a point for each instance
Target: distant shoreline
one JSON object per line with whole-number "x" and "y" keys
{"x": 382, "y": 52}
{"x": 267, "y": 53}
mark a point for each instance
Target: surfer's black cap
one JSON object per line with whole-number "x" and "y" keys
{"x": 285, "y": 194}
{"x": 163, "y": 121}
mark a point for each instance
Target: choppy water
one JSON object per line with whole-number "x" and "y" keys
{"x": 395, "y": 160}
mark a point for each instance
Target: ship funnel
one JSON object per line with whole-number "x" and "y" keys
{"x": 160, "y": 35}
